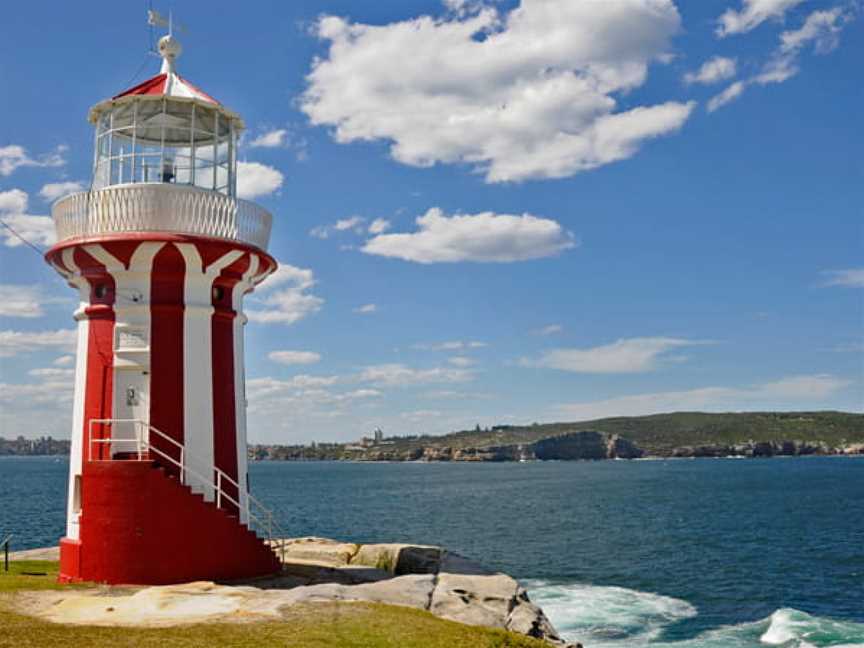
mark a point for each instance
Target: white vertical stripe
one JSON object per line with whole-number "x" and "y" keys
{"x": 132, "y": 318}
{"x": 76, "y": 452}
{"x": 242, "y": 287}
{"x": 198, "y": 364}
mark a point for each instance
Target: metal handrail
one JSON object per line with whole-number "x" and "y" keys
{"x": 143, "y": 445}
{"x": 5, "y": 545}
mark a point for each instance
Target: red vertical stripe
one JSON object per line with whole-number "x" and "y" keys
{"x": 224, "y": 410}
{"x": 99, "y": 380}
{"x": 166, "y": 350}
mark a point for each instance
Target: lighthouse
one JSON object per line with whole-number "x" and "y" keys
{"x": 162, "y": 252}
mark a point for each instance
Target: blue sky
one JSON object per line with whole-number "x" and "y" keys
{"x": 627, "y": 207}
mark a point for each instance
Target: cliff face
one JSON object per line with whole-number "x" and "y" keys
{"x": 564, "y": 447}
{"x": 585, "y": 445}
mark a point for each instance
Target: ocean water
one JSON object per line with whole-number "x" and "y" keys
{"x": 672, "y": 554}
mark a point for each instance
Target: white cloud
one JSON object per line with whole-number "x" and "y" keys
{"x": 52, "y": 373}
{"x": 54, "y": 190}
{"x": 632, "y": 355}
{"x": 551, "y": 329}
{"x": 713, "y": 70}
{"x": 822, "y": 28}
{"x": 284, "y": 297}
{"x": 752, "y": 14}
{"x": 53, "y": 392}
{"x": 462, "y": 361}
{"x": 352, "y": 223}
{"x": 285, "y": 138}
{"x": 485, "y": 237}
{"x": 530, "y": 93}
{"x": 271, "y": 139}
{"x": 800, "y": 392}
{"x": 302, "y": 394}
{"x": 366, "y": 309}
{"x": 294, "y": 357}
{"x": 728, "y": 95}
{"x": 399, "y": 375}
{"x": 14, "y": 157}
{"x": 454, "y": 345}
{"x": 345, "y": 224}
{"x": 64, "y": 361}
{"x": 16, "y": 342}
{"x": 40, "y": 407}
{"x": 379, "y": 226}
{"x": 13, "y": 211}
{"x": 851, "y": 277}
{"x": 255, "y": 179}
{"x": 21, "y": 301}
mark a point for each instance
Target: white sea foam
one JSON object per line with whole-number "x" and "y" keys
{"x": 615, "y": 617}
{"x": 802, "y": 630}
{"x": 607, "y": 616}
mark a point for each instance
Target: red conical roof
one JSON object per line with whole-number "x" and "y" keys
{"x": 168, "y": 84}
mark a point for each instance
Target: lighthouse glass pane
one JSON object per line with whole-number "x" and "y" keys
{"x": 222, "y": 152}
{"x": 115, "y": 171}
{"x": 103, "y": 125}
{"x": 123, "y": 142}
{"x": 203, "y": 174}
{"x": 204, "y": 118}
{"x": 158, "y": 140}
{"x": 222, "y": 178}
{"x": 203, "y": 151}
{"x": 123, "y": 115}
{"x": 125, "y": 170}
{"x": 182, "y": 168}
{"x": 177, "y": 122}
{"x": 100, "y": 178}
{"x": 102, "y": 145}
{"x": 148, "y": 122}
{"x": 148, "y": 168}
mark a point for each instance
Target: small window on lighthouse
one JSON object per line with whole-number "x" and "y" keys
{"x": 76, "y": 495}
{"x": 218, "y": 293}
{"x": 100, "y": 290}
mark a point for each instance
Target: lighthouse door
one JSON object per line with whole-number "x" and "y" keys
{"x": 132, "y": 404}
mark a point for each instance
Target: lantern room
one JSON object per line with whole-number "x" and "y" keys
{"x": 165, "y": 130}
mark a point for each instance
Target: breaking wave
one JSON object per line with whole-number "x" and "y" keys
{"x": 615, "y": 617}
{"x": 607, "y": 616}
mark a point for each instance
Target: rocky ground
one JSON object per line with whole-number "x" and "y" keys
{"x": 317, "y": 570}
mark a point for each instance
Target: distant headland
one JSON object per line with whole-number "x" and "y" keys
{"x": 680, "y": 434}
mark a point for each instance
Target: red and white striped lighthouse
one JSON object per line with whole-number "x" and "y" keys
{"x": 162, "y": 253}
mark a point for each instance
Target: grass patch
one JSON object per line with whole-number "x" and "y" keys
{"x": 337, "y": 625}
{"x": 32, "y": 575}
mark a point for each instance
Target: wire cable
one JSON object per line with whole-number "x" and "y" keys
{"x": 21, "y": 238}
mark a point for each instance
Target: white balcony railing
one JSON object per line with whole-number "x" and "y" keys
{"x": 158, "y": 207}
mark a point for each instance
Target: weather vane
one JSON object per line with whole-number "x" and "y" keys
{"x": 155, "y": 19}
{"x": 169, "y": 48}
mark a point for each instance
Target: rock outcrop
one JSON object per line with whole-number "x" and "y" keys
{"x": 318, "y": 570}
{"x": 788, "y": 448}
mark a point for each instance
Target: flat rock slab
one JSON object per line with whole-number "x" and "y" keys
{"x": 319, "y": 550}
{"x": 475, "y": 600}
